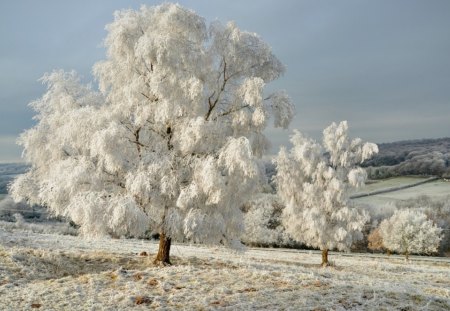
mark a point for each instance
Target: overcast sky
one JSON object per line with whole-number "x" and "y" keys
{"x": 382, "y": 65}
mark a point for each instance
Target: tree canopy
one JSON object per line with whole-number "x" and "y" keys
{"x": 409, "y": 231}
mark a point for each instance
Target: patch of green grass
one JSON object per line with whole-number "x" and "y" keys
{"x": 436, "y": 190}
{"x": 375, "y": 185}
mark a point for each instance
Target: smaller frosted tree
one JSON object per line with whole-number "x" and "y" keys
{"x": 409, "y": 231}
{"x": 314, "y": 182}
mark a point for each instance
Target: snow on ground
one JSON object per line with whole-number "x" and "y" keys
{"x": 438, "y": 189}
{"x": 55, "y": 272}
{"x": 394, "y": 182}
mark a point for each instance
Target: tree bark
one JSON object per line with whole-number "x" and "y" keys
{"x": 163, "y": 256}
{"x": 324, "y": 257}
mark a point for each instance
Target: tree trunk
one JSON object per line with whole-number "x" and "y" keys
{"x": 324, "y": 257}
{"x": 163, "y": 255}
{"x": 407, "y": 255}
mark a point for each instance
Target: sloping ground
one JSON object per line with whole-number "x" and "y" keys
{"x": 379, "y": 184}
{"x": 365, "y": 192}
{"x": 435, "y": 189}
{"x": 414, "y": 157}
{"x": 51, "y": 272}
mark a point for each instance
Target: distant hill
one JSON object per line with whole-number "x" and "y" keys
{"x": 411, "y": 157}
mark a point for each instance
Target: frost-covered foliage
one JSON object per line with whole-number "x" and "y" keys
{"x": 379, "y": 212}
{"x": 409, "y": 231}
{"x": 262, "y": 219}
{"x": 8, "y": 171}
{"x": 438, "y": 211}
{"x": 314, "y": 182}
{"x": 47, "y": 227}
{"x": 169, "y": 140}
{"x": 8, "y": 207}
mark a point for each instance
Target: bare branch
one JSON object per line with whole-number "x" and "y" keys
{"x": 155, "y": 99}
{"x": 233, "y": 110}
{"x": 212, "y": 105}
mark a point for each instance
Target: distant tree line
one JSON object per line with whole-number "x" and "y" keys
{"x": 414, "y": 157}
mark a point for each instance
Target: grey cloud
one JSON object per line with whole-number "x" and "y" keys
{"x": 382, "y": 65}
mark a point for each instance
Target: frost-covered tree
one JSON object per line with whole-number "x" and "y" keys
{"x": 168, "y": 142}
{"x": 409, "y": 231}
{"x": 314, "y": 182}
{"x": 437, "y": 210}
{"x": 262, "y": 220}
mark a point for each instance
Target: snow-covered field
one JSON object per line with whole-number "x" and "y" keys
{"x": 380, "y": 184}
{"x": 55, "y": 272}
{"x": 438, "y": 189}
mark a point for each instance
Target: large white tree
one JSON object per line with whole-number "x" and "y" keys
{"x": 168, "y": 142}
{"x": 314, "y": 181}
{"x": 409, "y": 231}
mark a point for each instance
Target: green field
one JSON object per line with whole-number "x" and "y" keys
{"x": 376, "y": 185}
{"x": 437, "y": 189}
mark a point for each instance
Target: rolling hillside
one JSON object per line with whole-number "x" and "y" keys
{"x": 412, "y": 157}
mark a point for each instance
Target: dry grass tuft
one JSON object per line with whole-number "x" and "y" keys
{"x": 140, "y": 300}
{"x": 152, "y": 282}
{"x": 137, "y": 276}
{"x": 218, "y": 303}
{"x": 247, "y": 290}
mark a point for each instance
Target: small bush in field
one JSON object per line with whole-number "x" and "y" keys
{"x": 409, "y": 231}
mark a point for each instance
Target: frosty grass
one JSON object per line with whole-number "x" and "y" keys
{"x": 55, "y": 272}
